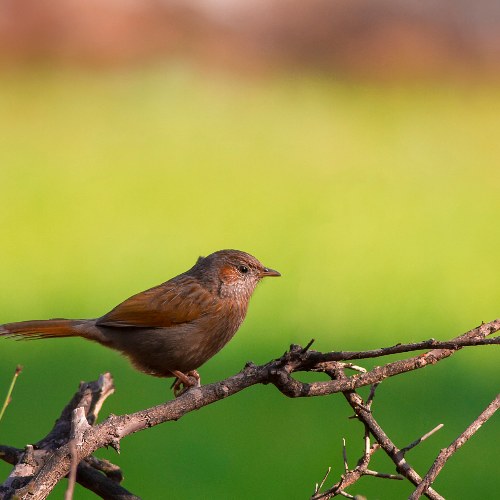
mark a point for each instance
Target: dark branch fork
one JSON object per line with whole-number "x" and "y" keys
{"x": 75, "y": 435}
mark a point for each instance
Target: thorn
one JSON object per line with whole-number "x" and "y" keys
{"x": 344, "y": 454}
{"x": 29, "y": 454}
{"x": 420, "y": 439}
{"x": 373, "y": 473}
{"x": 115, "y": 444}
{"x": 345, "y": 494}
{"x": 306, "y": 348}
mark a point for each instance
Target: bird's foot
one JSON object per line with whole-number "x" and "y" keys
{"x": 193, "y": 374}
{"x": 184, "y": 381}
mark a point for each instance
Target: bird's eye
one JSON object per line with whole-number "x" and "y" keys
{"x": 243, "y": 269}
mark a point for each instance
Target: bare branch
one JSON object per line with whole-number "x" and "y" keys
{"x": 446, "y": 453}
{"x": 470, "y": 338}
{"x": 43, "y": 467}
{"x": 110, "y": 470}
{"x": 10, "y": 454}
{"x": 100, "y": 484}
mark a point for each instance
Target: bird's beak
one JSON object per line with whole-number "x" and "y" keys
{"x": 269, "y": 272}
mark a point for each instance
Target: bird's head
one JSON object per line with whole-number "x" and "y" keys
{"x": 235, "y": 273}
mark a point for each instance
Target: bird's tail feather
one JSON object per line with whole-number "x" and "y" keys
{"x": 41, "y": 329}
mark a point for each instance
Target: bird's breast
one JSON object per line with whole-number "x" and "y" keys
{"x": 218, "y": 328}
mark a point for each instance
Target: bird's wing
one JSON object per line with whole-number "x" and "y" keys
{"x": 172, "y": 303}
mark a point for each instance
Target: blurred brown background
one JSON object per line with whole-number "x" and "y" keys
{"x": 381, "y": 38}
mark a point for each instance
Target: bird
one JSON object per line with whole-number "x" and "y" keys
{"x": 172, "y": 329}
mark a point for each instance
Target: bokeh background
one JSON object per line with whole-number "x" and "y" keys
{"x": 352, "y": 145}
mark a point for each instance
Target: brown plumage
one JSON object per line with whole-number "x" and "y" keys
{"x": 173, "y": 328}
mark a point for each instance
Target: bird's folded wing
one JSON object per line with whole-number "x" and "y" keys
{"x": 160, "y": 307}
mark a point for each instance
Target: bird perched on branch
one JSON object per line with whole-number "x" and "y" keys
{"x": 172, "y": 329}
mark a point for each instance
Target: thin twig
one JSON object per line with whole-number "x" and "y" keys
{"x": 354, "y": 367}
{"x": 345, "y": 494}
{"x": 454, "y": 344}
{"x": 8, "y": 398}
{"x": 68, "y": 495}
{"x": 371, "y": 396}
{"x": 79, "y": 425}
{"x": 373, "y": 473}
{"x": 102, "y": 485}
{"x": 420, "y": 439}
{"x": 320, "y": 485}
{"x": 366, "y": 439}
{"x": 309, "y": 344}
{"x": 344, "y": 454}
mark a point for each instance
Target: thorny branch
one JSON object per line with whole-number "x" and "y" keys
{"x": 75, "y": 435}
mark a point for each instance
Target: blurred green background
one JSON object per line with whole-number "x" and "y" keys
{"x": 378, "y": 203}
{"x": 353, "y": 146}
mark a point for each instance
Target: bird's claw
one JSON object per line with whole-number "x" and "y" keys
{"x": 184, "y": 381}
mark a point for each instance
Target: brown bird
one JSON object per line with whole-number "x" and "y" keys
{"x": 172, "y": 329}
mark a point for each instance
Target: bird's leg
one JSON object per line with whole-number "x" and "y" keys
{"x": 186, "y": 380}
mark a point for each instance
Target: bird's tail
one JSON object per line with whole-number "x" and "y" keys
{"x": 41, "y": 329}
